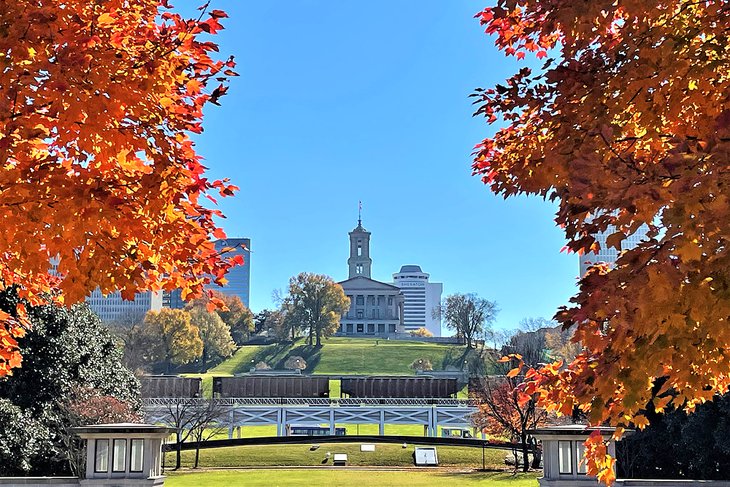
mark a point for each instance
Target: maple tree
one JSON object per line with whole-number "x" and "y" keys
{"x": 98, "y": 171}
{"x": 502, "y": 412}
{"x": 626, "y": 124}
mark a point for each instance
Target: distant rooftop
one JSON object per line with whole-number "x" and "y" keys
{"x": 410, "y": 268}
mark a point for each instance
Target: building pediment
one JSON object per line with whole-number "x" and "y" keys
{"x": 362, "y": 283}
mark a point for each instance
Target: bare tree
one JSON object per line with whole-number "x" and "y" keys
{"x": 209, "y": 423}
{"x": 193, "y": 419}
{"x": 181, "y": 414}
{"x": 469, "y": 315}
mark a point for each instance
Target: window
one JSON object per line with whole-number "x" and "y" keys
{"x": 377, "y": 314}
{"x": 359, "y": 327}
{"x": 565, "y": 457}
{"x": 390, "y": 300}
{"x": 359, "y": 248}
{"x": 580, "y": 449}
{"x": 358, "y": 269}
{"x": 359, "y": 314}
{"x": 371, "y": 328}
{"x": 349, "y": 328}
{"x": 136, "y": 456}
{"x": 101, "y": 462}
{"x": 381, "y": 327}
{"x": 119, "y": 456}
{"x": 360, "y": 300}
{"x": 391, "y": 328}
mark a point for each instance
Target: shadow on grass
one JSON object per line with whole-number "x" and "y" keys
{"x": 488, "y": 475}
{"x": 275, "y": 356}
{"x": 311, "y": 354}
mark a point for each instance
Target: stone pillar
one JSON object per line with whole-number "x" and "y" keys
{"x": 562, "y": 454}
{"x": 123, "y": 453}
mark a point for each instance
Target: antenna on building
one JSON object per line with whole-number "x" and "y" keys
{"x": 359, "y": 213}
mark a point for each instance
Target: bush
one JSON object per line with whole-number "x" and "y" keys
{"x": 262, "y": 366}
{"x": 295, "y": 362}
{"x": 422, "y": 364}
{"x": 421, "y": 332}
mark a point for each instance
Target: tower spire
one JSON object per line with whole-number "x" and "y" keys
{"x": 359, "y": 213}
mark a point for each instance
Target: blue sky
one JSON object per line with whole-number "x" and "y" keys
{"x": 340, "y": 101}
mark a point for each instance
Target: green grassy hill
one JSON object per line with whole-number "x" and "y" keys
{"x": 349, "y": 356}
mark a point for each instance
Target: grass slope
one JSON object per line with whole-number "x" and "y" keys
{"x": 309, "y": 478}
{"x": 350, "y": 356}
{"x": 347, "y": 356}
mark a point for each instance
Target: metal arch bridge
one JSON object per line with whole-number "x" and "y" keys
{"x": 237, "y": 412}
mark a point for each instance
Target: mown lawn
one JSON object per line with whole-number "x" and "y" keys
{"x": 348, "y": 356}
{"x": 345, "y": 477}
{"x": 345, "y": 356}
{"x": 385, "y": 455}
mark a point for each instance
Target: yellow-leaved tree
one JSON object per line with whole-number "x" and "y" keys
{"x": 174, "y": 339}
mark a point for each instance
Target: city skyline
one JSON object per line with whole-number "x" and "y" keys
{"x": 312, "y": 126}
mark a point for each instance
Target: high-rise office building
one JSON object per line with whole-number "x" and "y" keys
{"x": 239, "y": 277}
{"x": 173, "y": 299}
{"x": 609, "y": 254}
{"x": 421, "y": 299}
{"x": 113, "y": 308}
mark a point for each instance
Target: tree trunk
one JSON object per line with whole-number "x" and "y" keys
{"x": 178, "y": 451}
{"x": 319, "y": 338}
{"x": 197, "y": 453}
{"x": 536, "y": 455}
{"x": 525, "y": 453}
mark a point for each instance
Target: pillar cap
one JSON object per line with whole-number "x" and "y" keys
{"x": 123, "y": 428}
{"x": 581, "y": 430}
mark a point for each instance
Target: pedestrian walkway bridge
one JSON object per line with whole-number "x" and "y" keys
{"x": 242, "y": 412}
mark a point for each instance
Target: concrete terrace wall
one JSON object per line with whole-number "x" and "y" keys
{"x": 40, "y": 481}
